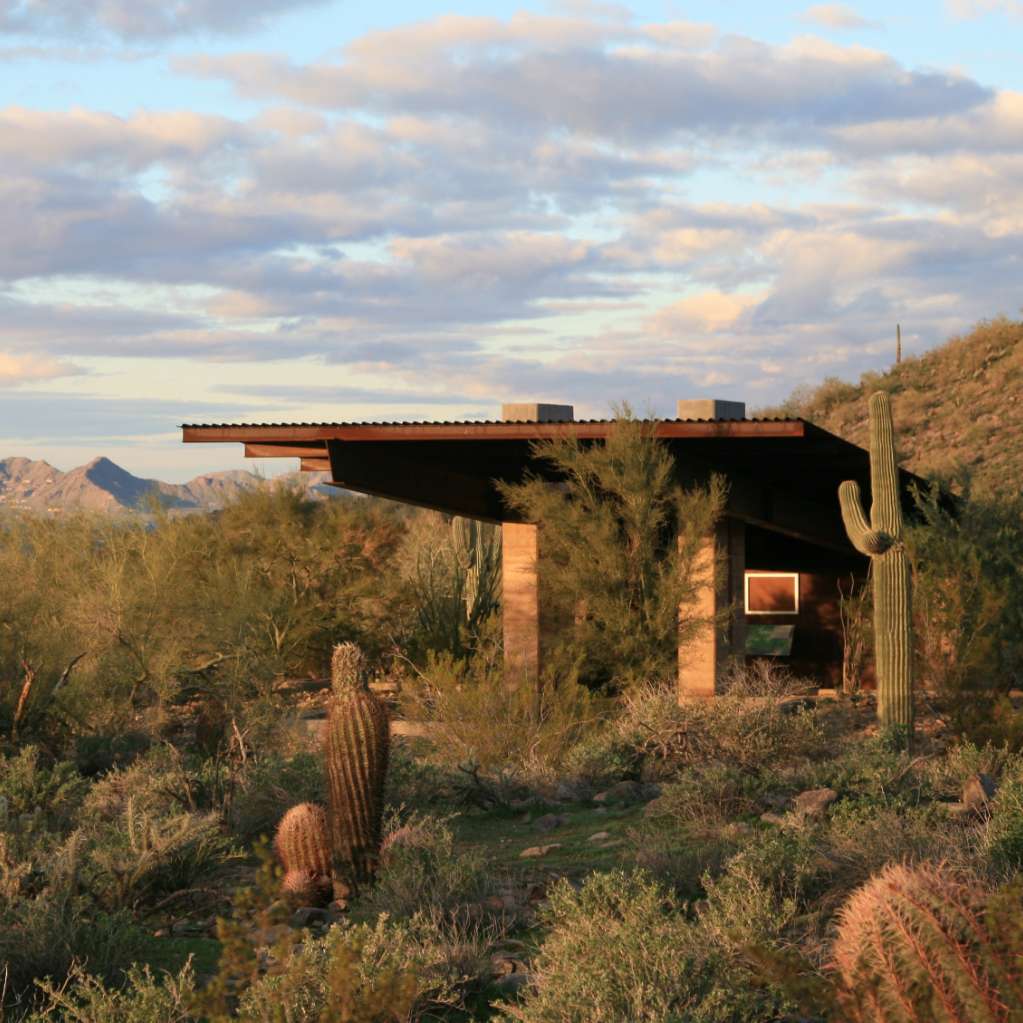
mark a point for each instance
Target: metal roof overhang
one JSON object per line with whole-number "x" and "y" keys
{"x": 783, "y": 473}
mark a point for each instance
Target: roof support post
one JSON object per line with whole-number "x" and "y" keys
{"x": 521, "y": 602}
{"x": 721, "y": 566}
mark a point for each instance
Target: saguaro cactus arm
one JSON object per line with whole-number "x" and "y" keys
{"x": 866, "y": 540}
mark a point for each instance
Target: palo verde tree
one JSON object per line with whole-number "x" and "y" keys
{"x": 619, "y": 544}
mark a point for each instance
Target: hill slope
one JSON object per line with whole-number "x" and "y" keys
{"x": 103, "y": 486}
{"x": 960, "y": 405}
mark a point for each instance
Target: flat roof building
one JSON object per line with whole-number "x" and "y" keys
{"x": 782, "y": 534}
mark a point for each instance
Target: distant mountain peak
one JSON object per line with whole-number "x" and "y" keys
{"x": 101, "y": 485}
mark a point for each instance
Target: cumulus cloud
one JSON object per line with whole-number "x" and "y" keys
{"x": 140, "y": 20}
{"x": 837, "y": 16}
{"x": 531, "y": 73}
{"x": 478, "y": 207}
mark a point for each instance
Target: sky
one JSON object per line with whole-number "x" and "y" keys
{"x": 321, "y": 210}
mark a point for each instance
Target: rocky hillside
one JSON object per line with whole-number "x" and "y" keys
{"x": 103, "y": 486}
{"x": 957, "y": 406}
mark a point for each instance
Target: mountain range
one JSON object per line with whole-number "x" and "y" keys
{"x": 103, "y": 486}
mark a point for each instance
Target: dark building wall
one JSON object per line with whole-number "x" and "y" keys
{"x": 817, "y": 639}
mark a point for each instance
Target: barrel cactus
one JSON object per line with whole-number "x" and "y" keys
{"x": 304, "y": 853}
{"x": 914, "y": 945}
{"x": 881, "y": 540}
{"x": 357, "y": 747}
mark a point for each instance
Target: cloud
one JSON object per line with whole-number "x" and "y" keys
{"x": 477, "y": 207}
{"x": 597, "y": 80}
{"x": 20, "y": 369}
{"x": 970, "y": 9}
{"x": 140, "y": 20}
{"x": 837, "y": 16}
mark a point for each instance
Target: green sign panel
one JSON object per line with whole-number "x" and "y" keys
{"x": 769, "y": 640}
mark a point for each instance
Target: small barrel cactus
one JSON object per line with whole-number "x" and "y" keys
{"x": 357, "y": 748}
{"x": 304, "y": 852}
{"x": 881, "y": 540}
{"x": 914, "y": 945}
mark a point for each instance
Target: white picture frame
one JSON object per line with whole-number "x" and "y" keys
{"x": 756, "y": 574}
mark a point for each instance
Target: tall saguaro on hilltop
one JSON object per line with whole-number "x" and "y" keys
{"x": 881, "y": 540}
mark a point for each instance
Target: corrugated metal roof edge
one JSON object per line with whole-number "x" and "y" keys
{"x": 471, "y": 422}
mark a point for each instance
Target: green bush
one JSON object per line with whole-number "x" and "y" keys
{"x": 47, "y": 923}
{"x": 269, "y": 785}
{"x": 622, "y": 948}
{"x": 142, "y": 998}
{"x": 384, "y": 972}
{"x": 421, "y": 871}
{"x": 50, "y": 794}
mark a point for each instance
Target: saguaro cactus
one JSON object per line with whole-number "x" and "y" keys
{"x": 881, "y": 540}
{"x": 357, "y": 747}
{"x": 302, "y": 847}
{"x": 914, "y": 944}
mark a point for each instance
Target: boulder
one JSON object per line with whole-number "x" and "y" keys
{"x": 813, "y": 802}
{"x": 535, "y": 851}
{"x": 978, "y": 791}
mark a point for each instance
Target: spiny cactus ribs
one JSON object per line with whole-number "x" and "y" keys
{"x": 357, "y": 749}
{"x": 302, "y": 848}
{"x": 913, "y": 945}
{"x": 881, "y": 540}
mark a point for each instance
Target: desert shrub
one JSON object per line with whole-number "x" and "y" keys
{"x": 477, "y": 719}
{"x": 864, "y": 836}
{"x": 1002, "y": 839}
{"x": 708, "y": 797}
{"x": 745, "y": 728}
{"x": 865, "y": 768}
{"x": 269, "y": 785}
{"x": 622, "y": 948}
{"x": 142, "y": 998}
{"x": 413, "y": 781}
{"x": 421, "y": 871}
{"x": 968, "y": 607}
{"x": 50, "y": 793}
{"x": 602, "y": 756}
{"x": 384, "y": 972}
{"x": 47, "y": 922}
{"x": 142, "y": 857}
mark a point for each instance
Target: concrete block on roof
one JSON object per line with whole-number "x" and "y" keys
{"x": 710, "y": 408}
{"x": 531, "y": 412}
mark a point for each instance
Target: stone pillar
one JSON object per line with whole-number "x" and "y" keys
{"x": 721, "y": 566}
{"x": 520, "y": 599}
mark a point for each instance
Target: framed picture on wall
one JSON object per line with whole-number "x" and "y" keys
{"x": 772, "y": 593}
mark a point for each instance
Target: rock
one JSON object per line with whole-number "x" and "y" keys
{"x": 511, "y": 983}
{"x": 813, "y": 802}
{"x": 774, "y": 818}
{"x": 978, "y": 791}
{"x": 337, "y": 910}
{"x": 549, "y": 822}
{"x": 624, "y": 792}
{"x": 570, "y": 791}
{"x": 599, "y": 836}
{"x": 307, "y": 916}
{"x": 535, "y": 851}
{"x": 183, "y": 928}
